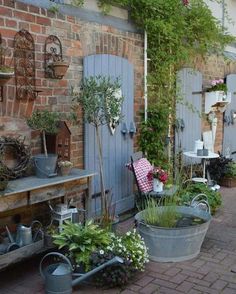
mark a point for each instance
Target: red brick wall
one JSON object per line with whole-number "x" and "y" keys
{"x": 79, "y": 38}
{"x": 214, "y": 67}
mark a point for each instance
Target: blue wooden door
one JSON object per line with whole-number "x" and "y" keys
{"x": 116, "y": 147}
{"x": 229, "y": 141}
{"x": 188, "y": 110}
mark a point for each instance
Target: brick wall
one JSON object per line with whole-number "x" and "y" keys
{"x": 79, "y": 38}
{"x": 214, "y": 67}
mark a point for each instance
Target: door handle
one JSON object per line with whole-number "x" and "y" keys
{"x": 124, "y": 129}
{"x": 132, "y": 129}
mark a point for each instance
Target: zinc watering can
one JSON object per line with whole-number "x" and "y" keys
{"x": 24, "y": 234}
{"x": 58, "y": 277}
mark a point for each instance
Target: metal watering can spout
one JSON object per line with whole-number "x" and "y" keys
{"x": 58, "y": 276}
{"x": 85, "y": 276}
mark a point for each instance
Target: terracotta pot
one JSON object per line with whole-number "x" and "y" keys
{"x": 65, "y": 171}
{"x": 228, "y": 182}
{"x": 59, "y": 68}
{"x": 5, "y": 77}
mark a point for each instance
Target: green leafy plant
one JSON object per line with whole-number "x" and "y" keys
{"x": 45, "y": 122}
{"x": 101, "y": 105}
{"x": 218, "y": 167}
{"x": 81, "y": 241}
{"x": 230, "y": 170}
{"x": 165, "y": 216}
{"x": 78, "y": 3}
{"x": 193, "y": 189}
{"x": 153, "y": 135}
{"x": 54, "y": 8}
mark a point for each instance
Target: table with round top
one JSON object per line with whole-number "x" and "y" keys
{"x": 210, "y": 155}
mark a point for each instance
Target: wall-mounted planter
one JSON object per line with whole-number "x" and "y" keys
{"x": 59, "y": 68}
{"x": 5, "y": 77}
{"x": 217, "y": 100}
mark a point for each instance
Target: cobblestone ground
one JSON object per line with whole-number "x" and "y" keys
{"x": 213, "y": 271}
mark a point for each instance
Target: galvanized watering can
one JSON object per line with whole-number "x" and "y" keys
{"x": 24, "y": 234}
{"x": 58, "y": 277}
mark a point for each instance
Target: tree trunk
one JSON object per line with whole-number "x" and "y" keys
{"x": 44, "y": 144}
{"x": 104, "y": 207}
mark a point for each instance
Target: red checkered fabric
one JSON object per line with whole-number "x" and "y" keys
{"x": 142, "y": 167}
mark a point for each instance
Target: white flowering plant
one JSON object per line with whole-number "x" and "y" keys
{"x": 65, "y": 163}
{"x": 131, "y": 247}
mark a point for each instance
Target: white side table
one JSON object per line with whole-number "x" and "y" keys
{"x": 192, "y": 154}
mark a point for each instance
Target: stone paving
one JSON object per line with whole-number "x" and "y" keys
{"x": 213, "y": 271}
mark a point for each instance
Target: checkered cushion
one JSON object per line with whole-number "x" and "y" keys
{"x": 142, "y": 167}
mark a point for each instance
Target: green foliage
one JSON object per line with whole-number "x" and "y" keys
{"x": 231, "y": 169}
{"x": 44, "y": 121}
{"x": 54, "y": 8}
{"x": 193, "y": 189}
{"x": 81, "y": 240}
{"x": 165, "y": 216}
{"x": 78, "y": 3}
{"x": 6, "y": 69}
{"x": 153, "y": 135}
{"x": 99, "y": 100}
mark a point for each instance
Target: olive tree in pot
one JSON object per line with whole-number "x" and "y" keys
{"x": 101, "y": 101}
{"x": 45, "y": 122}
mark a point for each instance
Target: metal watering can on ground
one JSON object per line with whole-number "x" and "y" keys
{"x": 58, "y": 276}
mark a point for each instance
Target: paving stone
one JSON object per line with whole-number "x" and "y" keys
{"x": 179, "y": 278}
{"x": 144, "y": 281}
{"x": 204, "y": 290}
{"x": 228, "y": 291}
{"x": 134, "y": 288}
{"x": 232, "y": 285}
{"x": 149, "y": 289}
{"x": 168, "y": 291}
{"x": 172, "y": 271}
{"x": 164, "y": 283}
{"x": 198, "y": 282}
{"x": 185, "y": 287}
{"x": 219, "y": 285}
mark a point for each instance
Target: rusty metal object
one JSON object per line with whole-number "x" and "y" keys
{"x": 24, "y": 62}
{"x": 53, "y": 56}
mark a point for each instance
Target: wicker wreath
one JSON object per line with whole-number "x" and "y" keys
{"x": 22, "y": 152}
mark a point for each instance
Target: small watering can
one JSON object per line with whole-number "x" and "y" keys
{"x": 24, "y": 234}
{"x": 58, "y": 276}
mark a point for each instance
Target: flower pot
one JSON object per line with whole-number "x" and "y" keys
{"x": 5, "y": 77}
{"x": 45, "y": 166}
{"x": 3, "y": 185}
{"x": 59, "y": 68}
{"x": 65, "y": 170}
{"x": 228, "y": 182}
{"x": 178, "y": 243}
{"x": 157, "y": 185}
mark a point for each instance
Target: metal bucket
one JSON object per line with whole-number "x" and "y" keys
{"x": 174, "y": 244}
{"x": 45, "y": 166}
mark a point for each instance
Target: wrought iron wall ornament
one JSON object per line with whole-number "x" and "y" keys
{"x": 24, "y": 56}
{"x": 54, "y": 65}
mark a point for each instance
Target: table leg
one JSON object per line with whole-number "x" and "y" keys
{"x": 88, "y": 200}
{"x": 204, "y": 168}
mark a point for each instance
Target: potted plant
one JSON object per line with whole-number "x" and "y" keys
{"x": 59, "y": 68}
{"x": 172, "y": 233}
{"x": 65, "y": 167}
{"x": 45, "y": 122}
{"x": 48, "y": 235}
{"x": 101, "y": 105}
{"x": 159, "y": 177}
{"x": 229, "y": 178}
{"x": 6, "y": 72}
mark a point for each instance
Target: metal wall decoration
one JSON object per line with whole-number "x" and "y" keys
{"x": 24, "y": 57}
{"x": 54, "y": 58}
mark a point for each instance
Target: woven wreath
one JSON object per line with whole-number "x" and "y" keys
{"x": 23, "y": 155}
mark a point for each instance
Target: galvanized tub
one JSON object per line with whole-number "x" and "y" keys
{"x": 174, "y": 244}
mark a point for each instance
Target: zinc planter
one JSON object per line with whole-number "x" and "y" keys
{"x": 45, "y": 166}
{"x": 174, "y": 244}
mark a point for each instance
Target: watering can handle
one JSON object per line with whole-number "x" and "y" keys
{"x": 55, "y": 254}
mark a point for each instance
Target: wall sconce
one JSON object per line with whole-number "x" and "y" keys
{"x": 54, "y": 65}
